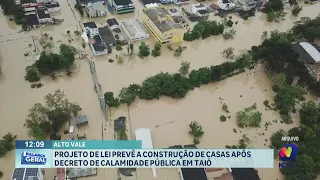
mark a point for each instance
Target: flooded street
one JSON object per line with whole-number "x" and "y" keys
{"x": 167, "y": 118}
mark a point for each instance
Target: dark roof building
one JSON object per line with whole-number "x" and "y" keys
{"x": 107, "y": 36}
{"x": 98, "y": 45}
{"x": 26, "y": 174}
{"x": 122, "y": 2}
{"x": 112, "y": 22}
{"x": 203, "y": 12}
{"x": 244, "y": 174}
{"x": 43, "y": 13}
{"x": 32, "y": 20}
{"x": 91, "y": 25}
{"x": 191, "y": 173}
{"x": 308, "y": 53}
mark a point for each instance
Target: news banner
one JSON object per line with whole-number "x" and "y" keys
{"x": 130, "y": 154}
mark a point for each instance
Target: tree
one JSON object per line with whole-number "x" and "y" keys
{"x": 77, "y": 33}
{"x": 131, "y": 48}
{"x": 229, "y": 34}
{"x": 287, "y": 97}
{"x": 247, "y": 118}
{"x": 128, "y": 95}
{"x": 144, "y": 50}
{"x": 273, "y": 6}
{"x": 279, "y": 80}
{"x": 68, "y": 72}
{"x": 223, "y": 118}
{"x": 7, "y": 144}
{"x": 296, "y": 10}
{"x": 53, "y": 76}
{"x": 156, "y": 50}
{"x": 83, "y": 44}
{"x": 43, "y": 120}
{"x": 195, "y": 129}
{"x": 204, "y": 29}
{"x": 118, "y": 48}
{"x": 310, "y": 114}
{"x": 32, "y": 75}
{"x": 304, "y": 168}
{"x": 184, "y": 69}
{"x": 276, "y": 138}
{"x": 264, "y": 35}
{"x": 110, "y": 100}
{"x": 67, "y": 54}
{"x": 228, "y": 53}
{"x": 179, "y": 51}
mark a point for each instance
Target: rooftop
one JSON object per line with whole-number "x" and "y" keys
{"x": 191, "y": 173}
{"x": 122, "y": 2}
{"x": 32, "y": 19}
{"x": 25, "y": 173}
{"x": 88, "y": 1}
{"x": 203, "y": 12}
{"x": 43, "y": 13}
{"x": 244, "y": 173}
{"x": 145, "y": 2}
{"x": 112, "y": 22}
{"x": 307, "y": 52}
{"x": 134, "y": 28}
{"x": 90, "y": 24}
{"x": 99, "y": 45}
{"x": 200, "y": 5}
{"x": 96, "y": 6}
{"x": 107, "y": 35}
{"x": 52, "y": 5}
{"x": 163, "y": 26}
{"x": 248, "y": 2}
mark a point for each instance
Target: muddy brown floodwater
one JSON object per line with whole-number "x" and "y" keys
{"x": 167, "y": 118}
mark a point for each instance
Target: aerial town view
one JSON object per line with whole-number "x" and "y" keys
{"x": 172, "y": 73}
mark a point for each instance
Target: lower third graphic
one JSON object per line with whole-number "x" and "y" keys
{"x": 30, "y": 158}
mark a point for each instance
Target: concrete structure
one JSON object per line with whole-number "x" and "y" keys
{"x": 122, "y": 6}
{"x": 44, "y": 16}
{"x": 91, "y": 29}
{"x": 310, "y": 55}
{"x": 96, "y": 9}
{"x": 133, "y": 30}
{"x": 27, "y": 174}
{"x": 226, "y": 4}
{"x": 246, "y": 5}
{"x": 53, "y": 5}
{"x": 144, "y": 135}
{"x": 199, "y": 10}
{"x": 113, "y": 23}
{"x": 98, "y": 47}
{"x": 85, "y": 2}
{"x": 182, "y": 2}
{"x": 160, "y": 24}
{"x": 107, "y": 36}
{"x": 32, "y": 20}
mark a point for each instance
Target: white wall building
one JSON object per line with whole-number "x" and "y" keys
{"x": 96, "y": 9}
{"x": 199, "y": 9}
{"x": 133, "y": 30}
{"x": 44, "y": 16}
{"x": 52, "y": 6}
{"x": 226, "y": 4}
{"x": 91, "y": 29}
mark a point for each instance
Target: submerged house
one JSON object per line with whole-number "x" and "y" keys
{"x": 246, "y": 5}
{"x": 96, "y": 9}
{"x": 85, "y": 2}
{"x": 199, "y": 10}
{"x": 122, "y": 6}
{"x": 91, "y": 29}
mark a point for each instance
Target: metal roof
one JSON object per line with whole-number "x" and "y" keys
{"x": 25, "y": 174}
{"x": 82, "y": 119}
{"x": 311, "y": 50}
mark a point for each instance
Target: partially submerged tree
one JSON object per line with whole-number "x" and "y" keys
{"x": 128, "y": 95}
{"x": 196, "y": 129}
{"x": 228, "y": 53}
{"x": 43, "y": 120}
{"x": 156, "y": 50}
{"x": 110, "y": 100}
{"x": 184, "y": 69}
{"x": 144, "y": 50}
{"x": 7, "y": 144}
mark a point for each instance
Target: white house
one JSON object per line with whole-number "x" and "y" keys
{"x": 52, "y": 6}
{"x": 91, "y": 29}
{"x": 44, "y": 16}
{"x": 199, "y": 9}
{"x": 112, "y": 23}
{"x": 134, "y": 30}
{"x": 226, "y": 4}
{"x": 96, "y": 9}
